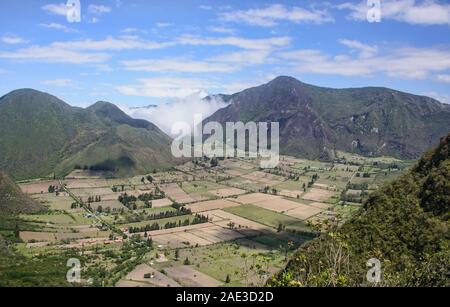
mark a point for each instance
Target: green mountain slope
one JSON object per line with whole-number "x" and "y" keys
{"x": 13, "y": 201}
{"x": 41, "y": 135}
{"x": 315, "y": 121}
{"x": 405, "y": 225}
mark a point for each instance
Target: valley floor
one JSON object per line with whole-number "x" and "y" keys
{"x": 196, "y": 225}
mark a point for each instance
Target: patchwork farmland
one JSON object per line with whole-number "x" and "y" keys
{"x": 194, "y": 225}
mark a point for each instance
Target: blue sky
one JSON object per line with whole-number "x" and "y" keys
{"x": 141, "y": 52}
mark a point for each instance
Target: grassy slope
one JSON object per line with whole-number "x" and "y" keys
{"x": 13, "y": 201}
{"x": 42, "y": 135}
{"x": 404, "y": 225}
{"x": 17, "y": 270}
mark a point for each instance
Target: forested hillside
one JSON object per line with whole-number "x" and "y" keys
{"x": 404, "y": 225}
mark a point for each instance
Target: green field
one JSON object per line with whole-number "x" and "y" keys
{"x": 233, "y": 259}
{"x": 267, "y": 217}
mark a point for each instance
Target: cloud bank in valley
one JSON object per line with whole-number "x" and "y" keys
{"x": 166, "y": 115}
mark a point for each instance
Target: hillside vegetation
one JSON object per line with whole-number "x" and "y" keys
{"x": 317, "y": 121}
{"x": 13, "y": 201}
{"x": 40, "y": 135}
{"x": 405, "y": 225}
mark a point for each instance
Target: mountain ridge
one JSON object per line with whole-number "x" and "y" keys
{"x": 41, "y": 135}
{"x": 317, "y": 121}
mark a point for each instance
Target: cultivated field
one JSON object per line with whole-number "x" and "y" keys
{"x": 194, "y": 226}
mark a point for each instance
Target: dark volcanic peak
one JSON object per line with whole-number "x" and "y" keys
{"x": 315, "y": 122}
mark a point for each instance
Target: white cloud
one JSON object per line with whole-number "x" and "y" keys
{"x": 244, "y": 58}
{"x": 182, "y": 110}
{"x": 56, "y": 9}
{"x": 111, "y": 43}
{"x": 270, "y": 16}
{"x": 58, "y": 26}
{"x": 13, "y": 40}
{"x": 177, "y": 65}
{"x": 167, "y": 87}
{"x": 223, "y": 63}
{"x": 428, "y": 12}
{"x": 444, "y": 98}
{"x": 366, "y": 51}
{"x": 407, "y": 63}
{"x": 223, "y": 30}
{"x": 443, "y": 78}
{"x": 98, "y": 9}
{"x": 243, "y": 43}
{"x": 59, "y": 82}
{"x": 52, "y": 54}
{"x": 92, "y": 51}
{"x": 81, "y": 51}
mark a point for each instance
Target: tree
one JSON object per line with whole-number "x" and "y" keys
{"x": 149, "y": 242}
{"x": 227, "y": 279}
{"x": 186, "y": 261}
{"x": 17, "y": 231}
{"x": 280, "y": 227}
{"x": 177, "y": 254}
{"x": 143, "y": 180}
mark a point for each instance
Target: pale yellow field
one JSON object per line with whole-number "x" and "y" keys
{"x": 211, "y": 205}
{"x": 240, "y": 223}
{"x": 227, "y": 192}
{"x": 277, "y": 205}
{"x": 161, "y": 203}
{"x": 86, "y": 183}
{"x": 85, "y": 192}
{"x": 38, "y": 187}
{"x": 176, "y": 193}
{"x": 254, "y": 198}
{"x": 318, "y": 195}
{"x": 264, "y": 178}
{"x": 291, "y": 194}
{"x": 303, "y": 212}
